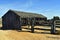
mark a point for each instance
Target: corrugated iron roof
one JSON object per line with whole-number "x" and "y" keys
{"x": 27, "y": 14}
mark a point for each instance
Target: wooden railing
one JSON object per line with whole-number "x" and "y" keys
{"x": 55, "y": 23}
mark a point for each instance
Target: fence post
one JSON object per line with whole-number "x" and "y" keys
{"x": 32, "y": 24}
{"x": 53, "y": 27}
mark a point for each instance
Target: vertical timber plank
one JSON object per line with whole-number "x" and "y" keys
{"x": 20, "y": 24}
{"x": 32, "y": 24}
{"x": 53, "y": 27}
{"x": 28, "y": 20}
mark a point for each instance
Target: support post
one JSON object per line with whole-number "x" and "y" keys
{"x": 32, "y": 24}
{"x": 28, "y": 20}
{"x": 53, "y": 27}
{"x": 20, "y": 28}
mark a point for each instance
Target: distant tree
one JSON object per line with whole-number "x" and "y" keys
{"x": 55, "y": 18}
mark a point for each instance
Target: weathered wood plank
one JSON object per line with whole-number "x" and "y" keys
{"x": 53, "y": 28}
{"x": 20, "y": 24}
{"x": 32, "y": 24}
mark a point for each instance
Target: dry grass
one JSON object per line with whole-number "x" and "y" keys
{"x": 24, "y": 35}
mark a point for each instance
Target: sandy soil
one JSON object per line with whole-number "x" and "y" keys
{"x": 25, "y": 35}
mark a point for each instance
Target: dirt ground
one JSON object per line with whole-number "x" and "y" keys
{"x": 40, "y": 34}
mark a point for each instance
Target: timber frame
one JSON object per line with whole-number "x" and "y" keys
{"x": 15, "y": 19}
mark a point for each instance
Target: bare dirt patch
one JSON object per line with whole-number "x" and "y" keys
{"x": 25, "y": 35}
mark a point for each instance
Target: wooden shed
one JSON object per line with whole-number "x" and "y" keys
{"x": 15, "y": 19}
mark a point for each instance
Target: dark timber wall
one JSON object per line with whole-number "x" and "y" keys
{"x": 10, "y": 20}
{"x": 13, "y": 20}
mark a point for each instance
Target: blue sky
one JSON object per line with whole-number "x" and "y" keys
{"x": 49, "y": 8}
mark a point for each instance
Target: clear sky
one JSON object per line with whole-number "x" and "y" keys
{"x": 49, "y": 8}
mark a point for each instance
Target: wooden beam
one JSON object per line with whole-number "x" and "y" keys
{"x": 20, "y": 28}
{"x": 32, "y": 24}
{"x": 53, "y": 27}
{"x": 28, "y": 20}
